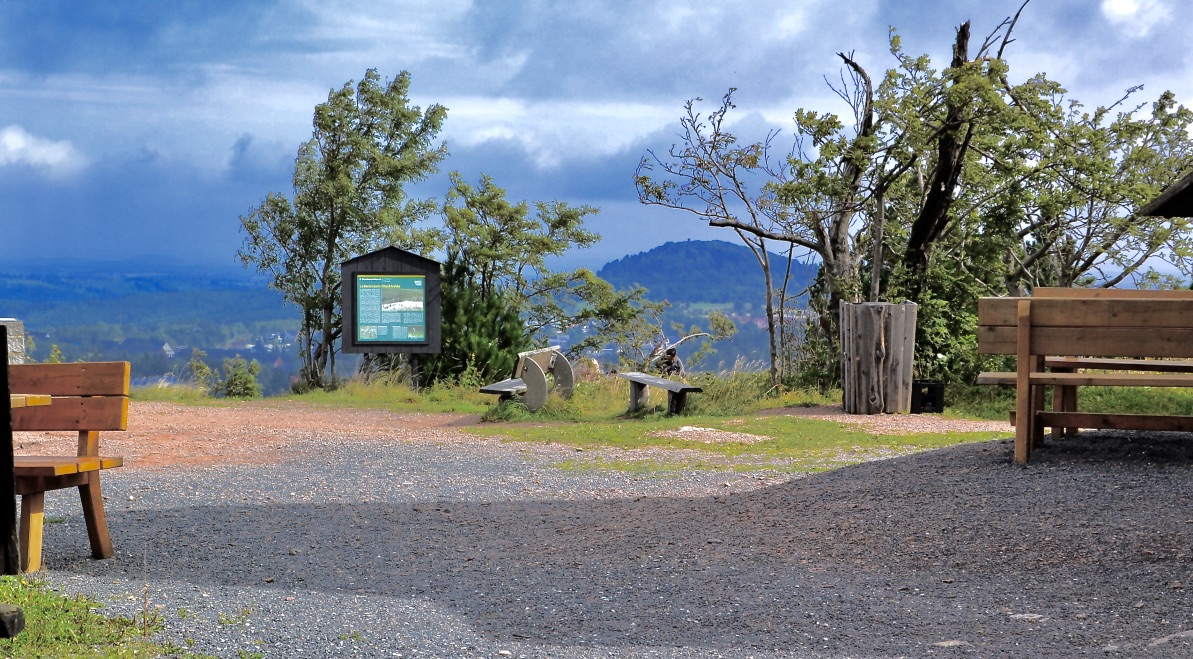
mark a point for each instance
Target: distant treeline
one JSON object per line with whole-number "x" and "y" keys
{"x": 704, "y": 271}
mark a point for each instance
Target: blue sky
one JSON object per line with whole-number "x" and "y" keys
{"x": 141, "y": 129}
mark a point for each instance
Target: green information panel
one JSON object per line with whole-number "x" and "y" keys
{"x": 391, "y": 308}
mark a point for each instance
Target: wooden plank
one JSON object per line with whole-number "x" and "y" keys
{"x": 35, "y": 484}
{"x": 997, "y": 378}
{"x": 1106, "y": 293}
{"x": 1111, "y": 364}
{"x": 1088, "y": 379}
{"x": 1117, "y": 421}
{"x": 33, "y": 509}
{"x": 662, "y": 383}
{"x": 28, "y": 400}
{"x": 998, "y": 311}
{"x": 70, "y": 413}
{"x": 76, "y": 379}
{"x": 1166, "y": 343}
{"x": 901, "y": 345}
{"x": 1109, "y": 312}
{"x": 49, "y": 465}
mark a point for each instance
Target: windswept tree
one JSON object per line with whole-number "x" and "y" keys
{"x": 1075, "y": 209}
{"x": 348, "y": 199}
{"x": 505, "y": 247}
{"x": 727, "y": 184}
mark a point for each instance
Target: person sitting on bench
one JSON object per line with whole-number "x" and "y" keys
{"x": 670, "y": 364}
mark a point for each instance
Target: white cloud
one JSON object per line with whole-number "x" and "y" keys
{"x": 1135, "y": 17}
{"x": 19, "y": 147}
{"x": 553, "y": 130}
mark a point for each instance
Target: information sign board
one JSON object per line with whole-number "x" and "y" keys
{"x": 391, "y": 308}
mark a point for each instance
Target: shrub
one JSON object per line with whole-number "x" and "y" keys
{"x": 240, "y": 378}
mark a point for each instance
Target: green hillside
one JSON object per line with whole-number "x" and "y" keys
{"x": 703, "y": 272}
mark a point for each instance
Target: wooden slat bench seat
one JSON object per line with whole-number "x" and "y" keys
{"x": 677, "y": 392}
{"x": 87, "y": 398}
{"x": 1128, "y": 339}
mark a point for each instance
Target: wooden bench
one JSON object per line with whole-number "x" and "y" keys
{"x": 677, "y": 392}
{"x": 1066, "y": 334}
{"x": 88, "y": 398}
{"x": 529, "y": 382}
{"x": 1064, "y": 397}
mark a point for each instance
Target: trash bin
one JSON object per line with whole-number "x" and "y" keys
{"x": 927, "y": 397}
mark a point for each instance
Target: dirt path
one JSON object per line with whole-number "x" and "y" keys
{"x": 259, "y": 432}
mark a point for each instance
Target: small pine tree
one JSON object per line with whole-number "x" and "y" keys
{"x": 240, "y": 378}
{"x": 482, "y": 336}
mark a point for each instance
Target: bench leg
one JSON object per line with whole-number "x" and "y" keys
{"x": 1027, "y": 396}
{"x": 639, "y": 396}
{"x": 33, "y": 513}
{"x": 1070, "y": 405}
{"x": 93, "y": 514}
{"x": 676, "y": 401}
{"x": 1037, "y": 434}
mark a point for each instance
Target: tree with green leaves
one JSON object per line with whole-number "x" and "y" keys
{"x": 505, "y": 247}
{"x": 941, "y": 185}
{"x": 726, "y": 184}
{"x": 349, "y": 198}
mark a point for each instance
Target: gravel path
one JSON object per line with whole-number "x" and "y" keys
{"x": 444, "y": 545}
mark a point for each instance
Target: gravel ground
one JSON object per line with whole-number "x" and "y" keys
{"x": 415, "y": 540}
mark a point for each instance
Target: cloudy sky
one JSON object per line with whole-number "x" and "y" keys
{"x": 141, "y": 130}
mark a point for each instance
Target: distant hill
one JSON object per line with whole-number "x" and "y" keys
{"x": 70, "y": 299}
{"x": 703, "y": 271}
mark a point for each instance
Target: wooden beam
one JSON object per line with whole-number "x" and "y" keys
{"x": 1105, "y": 293}
{"x": 1023, "y": 397}
{"x": 71, "y": 413}
{"x": 75, "y": 379}
{"x": 1117, "y": 421}
{"x": 1113, "y": 379}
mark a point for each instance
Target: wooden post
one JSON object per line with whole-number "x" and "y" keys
{"x": 10, "y": 560}
{"x": 12, "y": 617}
{"x": 877, "y": 352}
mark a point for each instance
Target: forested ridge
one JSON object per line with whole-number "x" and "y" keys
{"x": 703, "y": 271}
{"x": 131, "y": 316}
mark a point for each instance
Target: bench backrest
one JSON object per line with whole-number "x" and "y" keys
{"x": 1088, "y": 327}
{"x": 1105, "y": 293}
{"x": 87, "y": 396}
{"x": 544, "y": 357}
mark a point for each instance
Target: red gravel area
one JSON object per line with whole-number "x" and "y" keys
{"x": 261, "y": 432}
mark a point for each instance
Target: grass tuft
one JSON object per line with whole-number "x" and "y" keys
{"x": 58, "y": 625}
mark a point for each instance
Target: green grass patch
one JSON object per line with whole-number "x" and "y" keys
{"x": 772, "y": 442}
{"x": 171, "y": 393}
{"x": 57, "y": 626}
{"x": 380, "y": 394}
{"x": 996, "y": 402}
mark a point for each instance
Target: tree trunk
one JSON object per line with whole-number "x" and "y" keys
{"x": 876, "y": 257}
{"x": 951, "y": 148}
